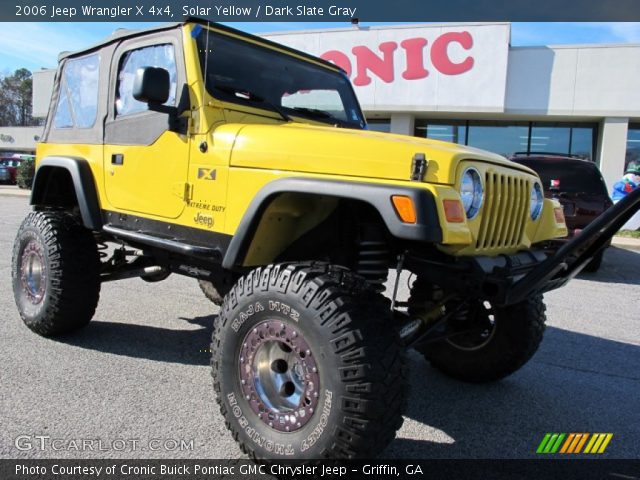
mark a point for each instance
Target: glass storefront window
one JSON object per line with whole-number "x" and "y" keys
{"x": 502, "y": 138}
{"x": 455, "y": 132}
{"x": 379, "y": 125}
{"x": 550, "y": 139}
{"x": 633, "y": 144}
{"x": 582, "y": 139}
{"x": 507, "y": 138}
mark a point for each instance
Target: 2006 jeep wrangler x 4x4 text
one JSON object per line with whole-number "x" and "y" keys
{"x": 197, "y": 149}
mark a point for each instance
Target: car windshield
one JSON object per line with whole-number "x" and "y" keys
{"x": 572, "y": 176}
{"x": 249, "y": 74}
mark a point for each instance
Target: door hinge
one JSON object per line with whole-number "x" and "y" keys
{"x": 188, "y": 192}
{"x": 183, "y": 190}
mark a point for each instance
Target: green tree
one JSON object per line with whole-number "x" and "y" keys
{"x": 15, "y": 99}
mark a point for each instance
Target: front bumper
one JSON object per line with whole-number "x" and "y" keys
{"x": 509, "y": 279}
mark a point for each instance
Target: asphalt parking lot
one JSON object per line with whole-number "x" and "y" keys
{"x": 140, "y": 372}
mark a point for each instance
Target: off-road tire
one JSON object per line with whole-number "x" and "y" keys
{"x": 66, "y": 296}
{"x": 595, "y": 263}
{"x": 359, "y": 358}
{"x": 210, "y": 291}
{"x": 518, "y": 332}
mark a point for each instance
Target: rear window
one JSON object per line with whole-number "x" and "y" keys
{"x": 570, "y": 176}
{"x": 78, "y": 98}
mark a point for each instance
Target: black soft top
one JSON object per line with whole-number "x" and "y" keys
{"x": 123, "y": 33}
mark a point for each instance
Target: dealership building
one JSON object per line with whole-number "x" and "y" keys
{"x": 464, "y": 83}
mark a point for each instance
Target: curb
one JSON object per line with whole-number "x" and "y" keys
{"x": 15, "y": 192}
{"x": 626, "y": 243}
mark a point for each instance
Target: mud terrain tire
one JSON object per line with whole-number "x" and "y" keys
{"x": 516, "y": 335}
{"x": 348, "y": 386}
{"x": 55, "y": 273}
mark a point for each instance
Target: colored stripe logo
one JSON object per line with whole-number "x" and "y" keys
{"x": 574, "y": 443}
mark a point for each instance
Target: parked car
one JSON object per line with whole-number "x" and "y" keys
{"x": 11, "y": 164}
{"x": 5, "y": 175}
{"x": 578, "y": 185}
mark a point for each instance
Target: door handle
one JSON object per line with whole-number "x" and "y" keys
{"x": 117, "y": 159}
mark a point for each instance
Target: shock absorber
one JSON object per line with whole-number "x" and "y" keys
{"x": 372, "y": 261}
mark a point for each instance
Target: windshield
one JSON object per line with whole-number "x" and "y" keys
{"x": 245, "y": 73}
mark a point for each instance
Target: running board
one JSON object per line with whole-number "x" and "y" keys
{"x": 172, "y": 245}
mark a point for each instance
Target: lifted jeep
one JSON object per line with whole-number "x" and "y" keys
{"x": 200, "y": 150}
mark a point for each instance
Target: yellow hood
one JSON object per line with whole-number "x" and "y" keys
{"x": 344, "y": 152}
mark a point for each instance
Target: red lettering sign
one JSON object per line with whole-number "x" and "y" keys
{"x": 383, "y": 66}
{"x": 440, "y": 53}
{"x": 367, "y": 60}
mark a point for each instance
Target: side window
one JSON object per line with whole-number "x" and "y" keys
{"x": 162, "y": 56}
{"x": 78, "y": 98}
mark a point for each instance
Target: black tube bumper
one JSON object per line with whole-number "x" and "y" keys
{"x": 509, "y": 279}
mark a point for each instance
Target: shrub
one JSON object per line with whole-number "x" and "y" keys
{"x": 26, "y": 170}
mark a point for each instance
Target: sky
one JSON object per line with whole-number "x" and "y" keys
{"x": 36, "y": 45}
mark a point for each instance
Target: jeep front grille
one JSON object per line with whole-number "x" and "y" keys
{"x": 505, "y": 210}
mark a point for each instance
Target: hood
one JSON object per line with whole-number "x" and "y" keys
{"x": 353, "y": 153}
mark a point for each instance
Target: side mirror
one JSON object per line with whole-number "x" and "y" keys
{"x": 151, "y": 85}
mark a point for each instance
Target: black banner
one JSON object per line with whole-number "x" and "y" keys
{"x": 208, "y": 469}
{"x": 320, "y": 10}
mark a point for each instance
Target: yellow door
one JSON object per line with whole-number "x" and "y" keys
{"x": 145, "y": 164}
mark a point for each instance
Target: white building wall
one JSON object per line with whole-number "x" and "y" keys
{"x": 612, "y": 146}
{"x": 42, "y": 89}
{"x": 19, "y": 139}
{"x": 580, "y": 81}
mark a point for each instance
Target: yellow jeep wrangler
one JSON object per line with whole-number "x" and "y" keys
{"x": 196, "y": 149}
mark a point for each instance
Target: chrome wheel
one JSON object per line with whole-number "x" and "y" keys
{"x": 33, "y": 272}
{"x": 279, "y": 375}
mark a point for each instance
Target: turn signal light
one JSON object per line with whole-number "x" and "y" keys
{"x": 404, "y": 208}
{"x": 559, "y": 213}
{"x": 453, "y": 211}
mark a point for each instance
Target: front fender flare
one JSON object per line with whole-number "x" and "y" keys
{"x": 426, "y": 229}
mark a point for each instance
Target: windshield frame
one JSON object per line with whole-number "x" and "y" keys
{"x": 348, "y": 98}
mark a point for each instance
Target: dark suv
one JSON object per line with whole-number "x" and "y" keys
{"x": 577, "y": 184}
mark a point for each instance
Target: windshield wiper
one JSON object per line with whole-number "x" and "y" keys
{"x": 251, "y": 96}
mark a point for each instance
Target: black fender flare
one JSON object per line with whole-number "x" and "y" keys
{"x": 83, "y": 183}
{"x": 426, "y": 229}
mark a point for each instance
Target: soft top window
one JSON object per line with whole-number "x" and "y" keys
{"x": 162, "y": 56}
{"x": 78, "y": 93}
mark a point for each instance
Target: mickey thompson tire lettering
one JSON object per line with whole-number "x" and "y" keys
{"x": 55, "y": 273}
{"x": 351, "y": 404}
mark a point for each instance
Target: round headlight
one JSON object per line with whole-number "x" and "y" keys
{"x": 537, "y": 200}
{"x": 471, "y": 192}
